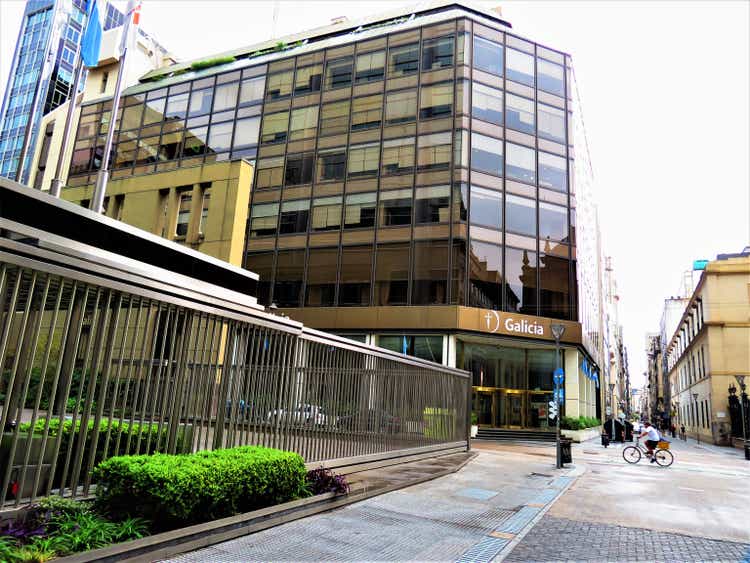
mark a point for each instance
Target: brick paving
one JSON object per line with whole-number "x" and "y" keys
{"x": 561, "y": 539}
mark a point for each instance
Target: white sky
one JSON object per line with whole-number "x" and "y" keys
{"x": 665, "y": 89}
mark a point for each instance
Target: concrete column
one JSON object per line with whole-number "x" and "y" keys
{"x": 572, "y": 384}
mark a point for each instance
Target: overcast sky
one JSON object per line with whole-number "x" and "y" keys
{"x": 665, "y": 90}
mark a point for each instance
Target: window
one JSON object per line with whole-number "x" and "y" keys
{"x": 270, "y": 172}
{"x": 486, "y": 208}
{"x": 294, "y": 216}
{"x": 487, "y": 103}
{"x": 339, "y": 73}
{"x": 290, "y": 269}
{"x": 303, "y": 123}
{"x": 308, "y": 79}
{"x": 251, "y": 90}
{"x": 359, "y": 211}
{"x": 274, "y": 127}
{"x": 430, "y": 285}
{"x": 195, "y": 142}
{"x": 551, "y": 123}
{"x": 425, "y": 347}
{"x": 488, "y": 56}
{"x": 437, "y": 53}
{"x": 367, "y": 112}
{"x": 356, "y": 275}
{"x": 520, "y": 276}
{"x": 485, "y": 276}
{"x": 204, "y": 210}
{"x": 486, "y": 154}
{"x": 299, "y": 169}
{"x": 398, "y": 156}
{"x": 370, "y": 67}
{"x": 279, "y": 85}
{"x": 401, "y": 107}
{"x": 552, "y": 172}
{"x": 553, "y": 221}
{"x": 220, "y": 137}
{"x": 434, "y": 151}
{"x": 519, "y": 163}
{"x": 321, "y": 277}
{"x": 403, "y": 60}
{"x": 225, "y": 97}
{"x": 395, "y": 208}
{"x": 105, "y": 80}
{"x": 392, "y": 274}
{"x": 246, "y": 132}
{"x": 200, "y": 102}
{"x": 520, "y": 67}
{"x": 183, "y": 213}
{"x": 363, "y": 160}
{"x": 520, "y": 215}
{"x": 334, "y": 118}
{"x": 550, "y": 77}
{"x": 331, "y": 164}
{"x": 519, "y": 114}
{"x": 432, "y": 204}
{"x": 436, "y": 100}
{"x": 326, "y": 213}
{"x": 460, "y": 202}
{"x": 461, "y": 148}
{"x": 176, "y": 106}
{"x": 263, "y": 219}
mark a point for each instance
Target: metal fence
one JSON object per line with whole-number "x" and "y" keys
{"x": 99, "y": 361}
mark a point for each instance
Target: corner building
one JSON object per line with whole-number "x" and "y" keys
{"x": 413, "y": 188}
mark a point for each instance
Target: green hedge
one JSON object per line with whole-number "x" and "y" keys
{"x": 580, "y": 423}
{"x": 185, "y": 489}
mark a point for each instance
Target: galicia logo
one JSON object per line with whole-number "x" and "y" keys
{"x": 522, "y": 326}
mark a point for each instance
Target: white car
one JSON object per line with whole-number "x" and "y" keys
{"x": 303, "y": 413}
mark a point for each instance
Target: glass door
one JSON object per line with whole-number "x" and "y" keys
{"x": 539, "y": 410}
{"x": 513, "y": 409}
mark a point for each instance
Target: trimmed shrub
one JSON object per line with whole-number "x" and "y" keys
{"x": 174, "y": 490}
{"x": 208, "y": 63}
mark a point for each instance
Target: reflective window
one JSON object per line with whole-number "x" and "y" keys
{"x": 299, "y": 169}
{"x": 485, "y": 276}
{"x": 520, "y": 275}
{"x": 487, "y": 103}
{"x": 436, "y": 100}
{"x": 326, "y": 214}
{"x": 551, "y": 123}
{"x": 170, "y": 146}
{"x": 434, "y": 151}
{"x": 320, "y": 289}
{"x": 367, "y": 112}
{"x": 220, "y": 137}
{"x": 519, "y": 163}
{"x": 339, "y": 73}
{"x": 401, "y": 106}
{"x": 486, "y": 154}
{"x": 395, "y": 207}
{"x": 488, "y": 56}
{"x": 183, "y": 213}
{"x": 520, "y": 215}
{"x": 460, "y": 202}
{"x": 461, "y": 148}
{"x": 550, "y": 77}
{"x": 200, "y": 102}
{"x": 420, "y": 346}
{"x": 195, "y": 142}
{"x": 392, "y": 274}
{"x": 262, "y": 264}
{"x": 553, "y": 173}
{"x": 331, "y": 164}
{"x": 279, "y": 85}
{"x": 554, "y": 293}
{"x": 356, "y": 275}
{"x": 131, "y": 117}
{"x": 363, "y": 160}
{"x": 437, "y": 53}
{"x": 226, "y": 96}
{"x": 246, "y": 132}
{"x": 370, "y": 67}
{"x": 263, "y": 219}
{"x": 290, "y": 269}
{"x": 403, "y": 60}
{"x": 270, "y": 172}
{"x": 398, "y": 156}
{"x": 486, "y": 208}
{"x": 519, "y": 113}
{"x": 520, "y": 67}
{"x": 303, "y": 123}
{"x": 359, "y": 210}
{"x": 251, "y": 90}
{"x": 176, "y": 106}
{"x": 334, "y": 118}
{"x": 308, "y": 79}
{"x": 432, "y": 204}
{"x": 294, "y": 216}
{"x": 553, "y": 221}
{"x": 430, "y": 285}
{"x": 274, "y": 127}
{"x": 542, "y": 365}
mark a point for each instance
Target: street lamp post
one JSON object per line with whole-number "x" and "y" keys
{"x": 697, "y": 432}
{"x": 741, "y": 380}
{"x": 557, "y": 332}
{"x": 612, "y": 408}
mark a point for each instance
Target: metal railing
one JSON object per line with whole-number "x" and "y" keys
{"x": 97, "y": 360}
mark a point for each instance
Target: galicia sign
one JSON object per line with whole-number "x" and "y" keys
{"x": 492, "y": 318}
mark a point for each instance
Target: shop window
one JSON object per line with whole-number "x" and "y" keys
{"x": 519, "y": 163}
{"x": 367, "y": 112}
{"x": 339, "y": 73}
{"x": 359, "y": 210}
{"x": 320, "y": 289}
{"x": 487, "y": 103}
{"x": 486, "y": 154}
{"x": 432, "y": 204}
{"x": 308, "y": 80}
{"x": 299, "y": 169}
{"x": 401, "y": 107}
{"x": 520, "y": 67}
{"x": 434, "y": 151}
{"x": 437, "y": 53}
{"x": 488, "y": 56}
{"x": 392, "y": 274}
{"x": 331, "y": 164}
{"x": 395, "y": 208}
{"x": 430, "y": 284}
{"x": 541, "y": 367}
{"x": 264, "y": 219}
{"x": 370, "y": 67}
{"x": 363, "y": 160}
{"x": 356, "y": 276}
{"x": 436, "y": 100}
{"x": 326, "y": 213}
{"x": 485, "y": 275}
{"x": 398, "y": 156}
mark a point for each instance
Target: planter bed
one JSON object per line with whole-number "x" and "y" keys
{"x": 582, "y": 435}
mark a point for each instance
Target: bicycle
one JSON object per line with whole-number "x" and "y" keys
{"x": 633, "y": 454}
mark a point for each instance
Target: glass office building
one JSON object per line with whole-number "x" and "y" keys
{"x": 24, "y": 79}
{"x": 413, "y": 187}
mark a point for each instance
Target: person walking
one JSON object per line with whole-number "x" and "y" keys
{"x": 673, "y": 430}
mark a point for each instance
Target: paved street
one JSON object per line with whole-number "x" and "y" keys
{"x": 510, "y": 503}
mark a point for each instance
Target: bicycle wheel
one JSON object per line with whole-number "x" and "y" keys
{"x": 664, "y": 458}
{"x": 631, "y": 454}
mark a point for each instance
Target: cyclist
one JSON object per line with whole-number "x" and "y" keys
{"x": 652, "y": 439}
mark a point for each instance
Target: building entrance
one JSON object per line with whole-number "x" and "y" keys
{"x": 511, "y": 408}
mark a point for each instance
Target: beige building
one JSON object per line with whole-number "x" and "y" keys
{"x": 710, "y": 347}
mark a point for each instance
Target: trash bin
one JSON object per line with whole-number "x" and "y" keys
{"x": 566, "y": 455}
{"x": 605, "y": 439}
{"x": 747, "y": 449}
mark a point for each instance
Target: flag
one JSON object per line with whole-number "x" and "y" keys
{"x": 132, "y": 19}
{"x": 92, "y": 37}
